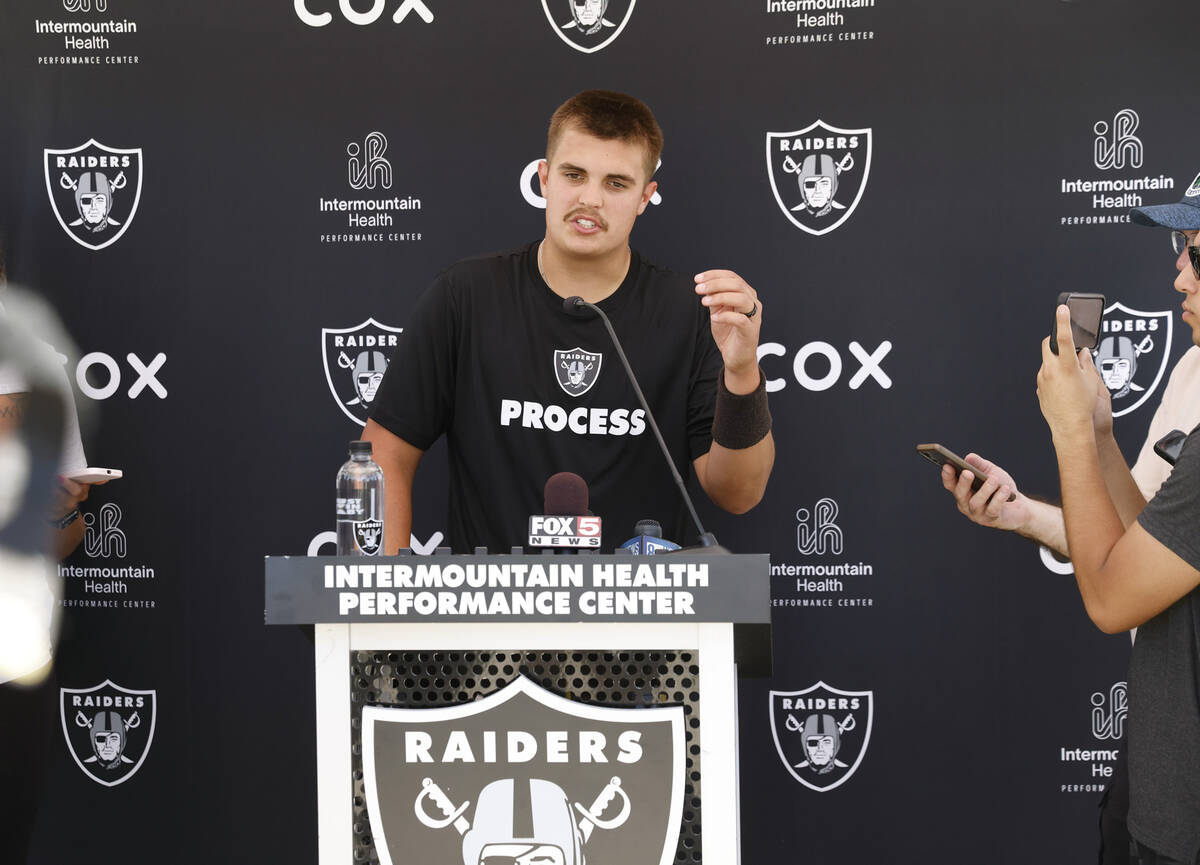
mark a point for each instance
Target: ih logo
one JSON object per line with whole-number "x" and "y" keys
{"x": 1116, "y": 146}
{"x": 109, "y": 729}
{"x": 815, "y": 171}
{"x": 576, "y": 370}
{"x": 588, "y": 25}
{"x": 102, "y": 539}
{"x": 1132, "y": 354}
{"x": 366, "y": 165}
{"x": 355, "y": 360}
{"x": 524, "y": 777}
{"x": 817, "y": 532}
{"x": 1109, "y": 712}
{"x": 94, "y": 191}
{"x": 821, "y": 733}
{"x": 85, "y": 5}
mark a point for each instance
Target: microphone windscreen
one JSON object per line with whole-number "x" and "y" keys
{"x": 651, "y": 528}
{"x": 574, "y": 305}
{"x": 565, "y": 495}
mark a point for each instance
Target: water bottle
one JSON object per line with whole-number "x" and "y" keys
{"x": 360, "y": 504}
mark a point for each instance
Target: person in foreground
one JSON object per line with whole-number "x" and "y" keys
{"x": 1127, "y": 490}
{"x": 522, "y": 388}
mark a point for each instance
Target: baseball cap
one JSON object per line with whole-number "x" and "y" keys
{"x": 1184, "y": 215}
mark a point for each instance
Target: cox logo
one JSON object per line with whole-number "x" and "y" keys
{"x": 110, "y": 378}
{"x": 818, "y": 365}
{"x": 320, "y": 19}
{"x": 531, "y": 190}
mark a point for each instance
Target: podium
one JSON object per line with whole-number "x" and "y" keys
{"x": 434, "y": 673}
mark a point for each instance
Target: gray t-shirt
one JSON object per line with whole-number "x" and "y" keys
{"x": 1164, "y": 703}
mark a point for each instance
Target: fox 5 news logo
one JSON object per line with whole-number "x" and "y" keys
{"x": 549, "y": 531}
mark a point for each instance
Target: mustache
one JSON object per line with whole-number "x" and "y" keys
{"x": 586, "y": 214}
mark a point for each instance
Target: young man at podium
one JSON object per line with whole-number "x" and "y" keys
{"x": 524, "y": 387}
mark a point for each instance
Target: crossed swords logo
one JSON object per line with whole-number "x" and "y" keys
{"x": 844, "y": 726}
{"x": 791, "y": 166}
{"x": 132, "y": 723}
{"x": 118, "y": 182}
{"x": 591, "y": 817}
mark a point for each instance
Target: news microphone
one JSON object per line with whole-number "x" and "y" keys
{"x": 647, "y": 540}
{"x": 579, "y": 308}
{"x": 565, "y": 520}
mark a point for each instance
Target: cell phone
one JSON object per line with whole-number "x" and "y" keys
{"x": 1169, "y": 446}
{"x": 1087, "y": 312}
{"x": 95, "y": 475}
{"x": 939, "y": 456}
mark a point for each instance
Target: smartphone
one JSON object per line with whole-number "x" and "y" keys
{"x": 1087, "y": 311}
{"x": 95, "y": 475}
{"x": 1169, "y": 446}
{"x": 939, "y": 456}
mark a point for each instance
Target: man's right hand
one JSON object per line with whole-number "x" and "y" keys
{"x": 990, "y": 505}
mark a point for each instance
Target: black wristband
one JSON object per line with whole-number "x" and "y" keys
{"x": 63, "y": 522}
{"x": 740, "y": 421}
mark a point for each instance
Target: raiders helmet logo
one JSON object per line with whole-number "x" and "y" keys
{"x": 94, "y": 191}
{"x": 368, "y": 534}
{"x": 821, "y": 733}
{"x": 355, "y": 360}
{"x": 588, "y": 25}
{"x": 523, "y": 776}
{"x": 1132, "y": 354}
{"x": 576, "y": 370}
{"x": 818, "y": 174}
{"x": 108, "y": 729}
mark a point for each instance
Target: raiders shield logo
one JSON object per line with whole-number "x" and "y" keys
{"x": 588, "y": 25}
{"x": 355, "y": 360}
{"x": 821, "y": 733}
{"x": 818, "y": 174}
{"x": 1132, "y": 354}
{"x": 524, "y": 776}
{"x": 109, "y": 729}
{"x": 576, "y": 370}
{"x": 368, "y": 534}
{"x": 94, "y": 191}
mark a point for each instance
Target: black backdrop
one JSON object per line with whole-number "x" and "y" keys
{"x": 980, "y": 660}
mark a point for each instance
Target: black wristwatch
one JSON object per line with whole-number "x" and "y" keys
{"x": 63, "y": 522}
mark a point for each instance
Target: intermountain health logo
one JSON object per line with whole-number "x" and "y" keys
{"x": 818, "y": 174}
{"x": 94, "y": 191}
{"x": 1088, "y": 769}
{"x": 373, "y": 216}
{"x": 86, "y": 36}
{"x": 588, "y": 25}
{"x": 806, "y": 22}
{"x": 524, "y": 777}
{"x": 1118, "y": 153}
{"x": 822, "y": 578}
{"x": 821, "y": 733}
{"x": 109, "y": 729}
{"x": 1132, "y": 354}
{"x": 355, "y": 360}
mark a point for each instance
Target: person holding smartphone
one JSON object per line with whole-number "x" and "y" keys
{"x": 1137, "y": 563}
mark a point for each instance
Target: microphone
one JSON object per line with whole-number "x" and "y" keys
{"x": 579, "y": 308}
{"x": 565, "y": 520}
{"x": 647, "y": 540}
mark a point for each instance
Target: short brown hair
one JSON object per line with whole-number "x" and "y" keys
{"x": 611, "y": 115}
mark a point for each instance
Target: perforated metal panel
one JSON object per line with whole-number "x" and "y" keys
{"x": 632, "y": 679}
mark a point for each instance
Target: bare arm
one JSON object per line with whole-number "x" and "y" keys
{"x": 735, "y": 479}
{"x": 399, "y": 461}
{"x": 1125, "y": 576}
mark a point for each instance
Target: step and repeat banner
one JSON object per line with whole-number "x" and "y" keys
{"x": 234, "y": 206}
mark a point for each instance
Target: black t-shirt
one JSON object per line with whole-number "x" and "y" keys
{"x": 1164, "y": 679}
{"x": 523, "y": 390}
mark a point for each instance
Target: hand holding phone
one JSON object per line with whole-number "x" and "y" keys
{"x": 941, "y": 456}
{"x": 1087, "y": 313}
